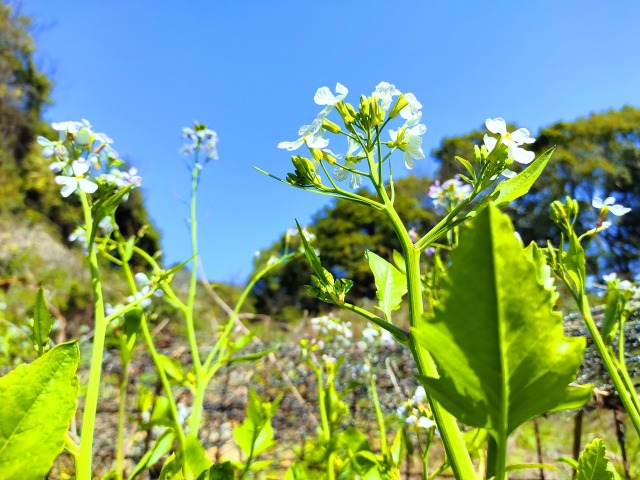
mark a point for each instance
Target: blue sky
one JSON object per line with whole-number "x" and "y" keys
{"x": 142, "y": 70}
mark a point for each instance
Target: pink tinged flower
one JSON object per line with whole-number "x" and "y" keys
{"x": 513, "y": 140}
{"x": 77, "y": 181}
{"x": 617, "y": 210}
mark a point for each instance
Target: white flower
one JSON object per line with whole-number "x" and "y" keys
{"x": 617, "y": 210}
{"x": 512, "y": 140}
{"x": 324, "y": 96}
{"x": 420, "y": 396}
{"x": 411, "y": 111}
{"x": 612, "y": 277}
{"x": 313, "y": 135}
{"x": 385, "y": 92}
{"x": 77, "y": 181}
{"x": 410, "y": 141}
{"x": 426, "y": 423}
{"x": 411, "y": 419}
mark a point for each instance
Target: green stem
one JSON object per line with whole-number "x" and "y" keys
{"x": 382, "y": 429}
{"x": 496, "y": 459}
{"x": 626, "y": 396}
{"x": 84, "y": 458}
{"x": 191, "y": 333}
{"x": 121, "y": 410}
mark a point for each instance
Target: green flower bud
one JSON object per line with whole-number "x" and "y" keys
{"x": 305, "y": 174}
{"x": 377, "y": 114}
{"x": 364, "y": 106}
{"x": 401, "y": 102}
{"x": 347, "y": 112}
{"x": 317, "y": 154}
{"x": 329, "y": 125}
{"x": 558, "y": 212}
{"x": 328, "y": 158}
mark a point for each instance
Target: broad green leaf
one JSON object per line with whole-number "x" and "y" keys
{"x": 513, "y": 188}
{"x": 575, "y": 397}
{"x": 161, "y": 446}
{"x": 42, "y": 322}
{"x": 172, "y": 367}
{"x": 354, "y": 440}
{"x": 391, "y": 284}
{"x": 37, "y": 402}
{"x": 195, "y": 457}
{"x": 593, "y": 463}
{"x": 132, "y": 321}
{"x": 495, "y": 337}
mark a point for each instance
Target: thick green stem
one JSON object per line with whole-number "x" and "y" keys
{"x": 625, "y": 395}
{"x": 496, "y": 459}
{"x": 84, "y": 458}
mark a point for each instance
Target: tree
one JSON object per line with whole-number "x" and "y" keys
{"x": 596, "y": 155}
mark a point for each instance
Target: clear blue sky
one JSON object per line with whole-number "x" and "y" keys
{"x": 140, "y": 70}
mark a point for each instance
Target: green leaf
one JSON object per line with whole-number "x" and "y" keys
{"x": 354, "y": 440}
{"x": 391, "y": 284}
{"x": 250, "y": 357}
{"x": 195, "y": 457}
{"x": 495, "y": 336}
{"x": 42, "y": 322}
{"x": 222, "y": 471}
{"x": 132, "y": 321}
{"x": 106, "y": 207}
{"x": 593, "y": 463}
{"x": 172, "y": 367}
{"x": 161, "y": 446}
{"x": 509, "y": 190}
{"x": 398, "y": 447}
{"x": 171, "y": 470}
{"x": 575, "y": 397}
{"x": 38, "y": 401}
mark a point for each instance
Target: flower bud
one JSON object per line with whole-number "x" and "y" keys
{"x": 330, "y": 126}
{"x": 558, "y": 212}
{"x": 364, "y": 106}
{"x": 401, "y": 102}
{"x": 347, "y": 112}
{"x": 317, "y": 154}
{"x": 377, "y": 114}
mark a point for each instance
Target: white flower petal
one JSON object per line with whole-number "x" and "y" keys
{"x": 426, "y": 423}
{"x": 521, "y": 136}
{"x": 291, "y": 145}
{"x": 522, "y": 156}
{"x": 496, "y": 125}
{"x": 87, "y": 186}
{"x": 324, "y": 96}
{"x": 619, "y": 210}
{"x": 79, "y": 168}
{"x": 489, "y": 142}
{"x": 356, "y": 181}
{"x": 597, "y": 202}
{"x": 609, "y": 201}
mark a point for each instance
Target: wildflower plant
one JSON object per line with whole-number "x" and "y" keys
{"x": 483, "y": 345}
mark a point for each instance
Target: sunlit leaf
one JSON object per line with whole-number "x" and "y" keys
{"x": 37, "y": 402}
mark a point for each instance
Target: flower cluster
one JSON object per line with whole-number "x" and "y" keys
{"x": 513, "y": 140}
{"x": 332, "y": 331}
{"x": 362, "y": 125}
{"x": 415, "y": 411}
{"x": 450, "y": 193}
{"x": 605, "y": 207}
{"x": 202, "y": 139}
{"x": 84, "y": 159}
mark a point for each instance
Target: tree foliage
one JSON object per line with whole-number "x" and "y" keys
{"x": 27, "y": 186}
